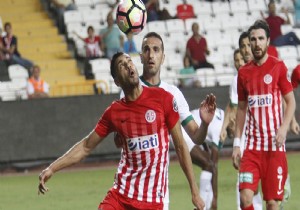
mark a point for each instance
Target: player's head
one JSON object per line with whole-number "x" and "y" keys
{"x": 7, "y": 27}
{"x": 245, "y": 48}
{"x": 272, "y": 7}
{"x": 238, "y": 59}
{"x": 259, "y": 36}
{"x": 90, "y": 31}
{"x": 124, "y": 71}
{"x": 195, "y": 28}
{"x": 35, "y": 71}
{"x": 152, "y": 53}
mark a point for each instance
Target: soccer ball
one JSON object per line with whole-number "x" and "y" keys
{"x": 131, "y": 16}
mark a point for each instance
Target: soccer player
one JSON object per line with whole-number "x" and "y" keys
{"x": 152, "y": 58}
{"x": 241, "y": 56}
{"x": 144, "y": 118}
{"x": 206, "y": 155}
{"x": 261, "y": 85}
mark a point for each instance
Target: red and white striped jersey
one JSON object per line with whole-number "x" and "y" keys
{"x": 262, "y": 87}
{"x": 144, "y": 125}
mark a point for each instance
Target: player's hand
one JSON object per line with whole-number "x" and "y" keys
{"x": 207, "y": 109}
{"x": 223, "y": 135}
{"x": 118, "y": 140}
{"x": 280, "y": 136}
{"x": 198, "y": 202}
{"x": 295, "y": 128}
{"x": 44, "y": 177}
{"x": 236, "y": 157}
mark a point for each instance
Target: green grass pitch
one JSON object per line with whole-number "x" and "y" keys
{"x": 84, "y": 189}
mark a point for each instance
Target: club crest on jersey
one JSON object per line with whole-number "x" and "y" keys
{"x": 268, "y": 79}
{"x": 143, "y": 143}
{"x": 150, "y": 116}
{"x": 260, "y": 100}
{"x": 175, "y": 106}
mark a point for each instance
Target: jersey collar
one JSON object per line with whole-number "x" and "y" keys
{"x": 148, "y": 84}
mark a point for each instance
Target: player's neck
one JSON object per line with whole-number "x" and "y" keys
{"x": 262, "y": 60}
{"x": 133, "y": 94}
{"x": 150, "y": 80}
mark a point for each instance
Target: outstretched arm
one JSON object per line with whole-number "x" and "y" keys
{"x": 186, "y": 164}
{"x": 79, "y": 151}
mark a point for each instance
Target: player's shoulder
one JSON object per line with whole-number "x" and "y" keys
{"x": 275, "y": 61}
{"x": 170, "y": 88}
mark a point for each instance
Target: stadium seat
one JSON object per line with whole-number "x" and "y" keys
{"x": 83, "y": 4}
{"x": 206, "y": 76}
{"x": 16, "y": 71}
{"x": 101, "y": 65}
{"x": 290, "y": 63}
{"x": 287, "y": 52}
{"x": 224, "y": 79}
{"x": 220, "y": 7}
{"x": 158, "y": 27}
{"x": 238, "y": 7}
{"x": 202, "y": 7}
{"x": 91, "y": 15}
{"x": 175, "y": 25}
{"x": 72, "y": 17}
{"x": 257, "y": 5}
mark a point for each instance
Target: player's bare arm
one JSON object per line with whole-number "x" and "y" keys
{"x": 223, "y": 133}
{"x": 287, "y": 118}
{"x": 240, "y": 121}
{"x": 186, "y": 164}
{"x": 206, "y": 112}
{"x": 78, "y": 152}
{"x": 294, "y": 126}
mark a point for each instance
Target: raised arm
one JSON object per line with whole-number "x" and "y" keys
{"x": 186, "y": 164}
{"x": 78, "y": 152}
{"x": 206, "y": 112}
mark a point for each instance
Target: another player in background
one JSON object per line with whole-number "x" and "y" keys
{"x": 152, "y": 58}
{"x": 261, "y": 85}
{"x": 208, "y": 154}
{"x": 295, "y": 79}
{"x": 244, "y": 51}
{"x": 146, "y": 115}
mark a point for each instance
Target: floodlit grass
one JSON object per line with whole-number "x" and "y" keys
{"x": 84, "y": 189}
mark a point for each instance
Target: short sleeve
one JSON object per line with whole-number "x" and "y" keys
{"x": 284, "y": 82}
{"x": 233, "y": 96}
{"x": 295, "y": 79}
{"x": 104, "y": 125}
{"x": 240, "y": 87}
{"x": 171, "y": 110}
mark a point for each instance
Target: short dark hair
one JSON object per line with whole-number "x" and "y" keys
{"x": 156, "y": 35}
{"x": 7, "y": 24}
{"x": 236, "y": 51}
{"x": 113, "y": 69}
{"x": 260, "y": 24}
{"x": 90, "y": 28}
{"x": 243, "y": 35}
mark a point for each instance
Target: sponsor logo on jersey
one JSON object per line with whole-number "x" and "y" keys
{"x": 175, "y": 106}
{"x": 143, "y": 143}
{"x": 260, "y": 100}
{"x": 246, "y": 177}
{"x": 268, "y": 79}
{"x": 150, "y": 116}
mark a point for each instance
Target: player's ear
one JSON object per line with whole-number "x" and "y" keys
{"x": 117, "y": 82}
{"x": 141, "y": 57}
